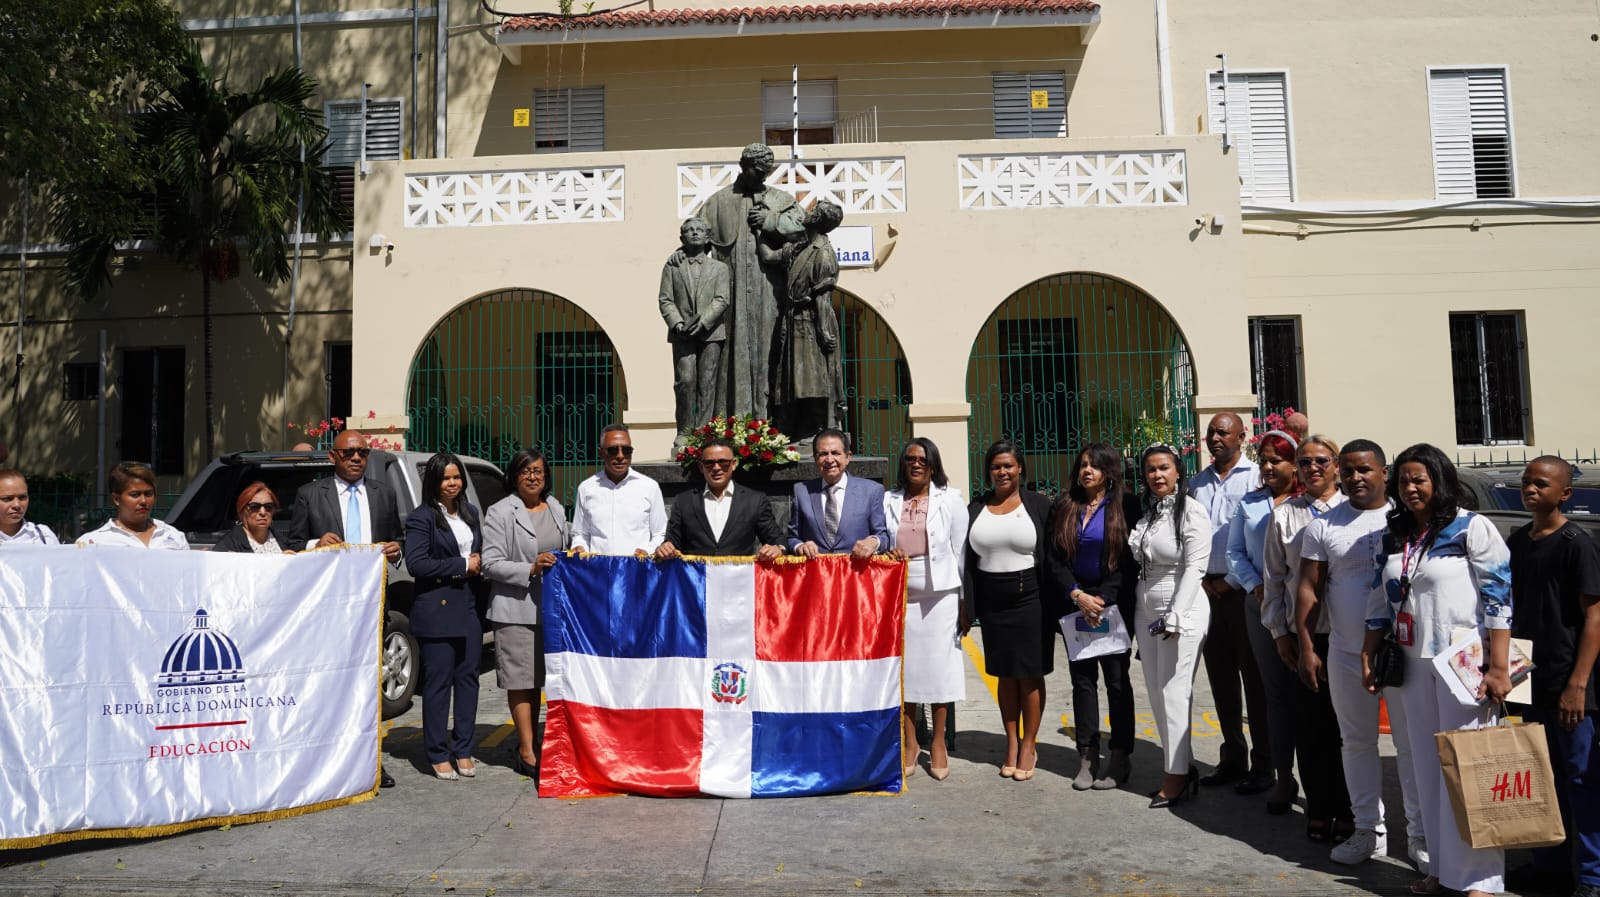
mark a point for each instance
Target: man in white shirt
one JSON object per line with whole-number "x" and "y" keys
{"x": 15, "y": 529}
{"x": 1230, "y": 664}
{"x": 836, "y": 513}
{"x": 618, "y": 510}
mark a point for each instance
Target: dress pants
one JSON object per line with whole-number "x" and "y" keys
{"x": 1086, "y": 700}
{"x": 1319, "y": 745}
{"x": 1282, "y": 688}
{"x": 1169, "y": 669}
{"x": 449, "y": 669}
{"x": 1358, "y": 726}
{"x": 1231, "y": 663}
{"x": 1431, "y": 708}
{"x": 1575, "y": 757}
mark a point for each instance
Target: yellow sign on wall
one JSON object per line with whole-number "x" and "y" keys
{"x": 520, "y": 118}
{"x": 1040, "y": 98}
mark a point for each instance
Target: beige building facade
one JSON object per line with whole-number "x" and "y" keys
{"x": 1086, "y": 222}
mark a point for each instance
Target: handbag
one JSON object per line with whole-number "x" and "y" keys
{"x": 1501, "y": 785}
{"x": 1388, "y": 663}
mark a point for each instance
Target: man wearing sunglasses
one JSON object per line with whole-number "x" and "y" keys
{"x": 618, "y": 510}
{"x": 719, "y": 520}
{"x": 347, "y": 507}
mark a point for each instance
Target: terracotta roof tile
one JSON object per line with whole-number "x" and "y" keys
{"x": 906, "y": 9}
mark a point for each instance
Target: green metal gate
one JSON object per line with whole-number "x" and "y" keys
{"x": 512, "y": 369}
{"x": 877, "y": 381}
{"x": 1074, "y": 359}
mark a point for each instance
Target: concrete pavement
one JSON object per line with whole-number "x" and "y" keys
{"x": 975, "y": 833}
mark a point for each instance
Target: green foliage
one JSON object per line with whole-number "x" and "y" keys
{"x": 72, "y": 69}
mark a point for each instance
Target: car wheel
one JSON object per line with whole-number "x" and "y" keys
{"x": 402, "y": 666}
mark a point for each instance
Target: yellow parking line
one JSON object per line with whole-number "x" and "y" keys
{"x": 974, "y": 652}
{"x": 498, "y": 735}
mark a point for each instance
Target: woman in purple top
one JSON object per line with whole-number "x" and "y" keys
{"x": 1091, "y": 520}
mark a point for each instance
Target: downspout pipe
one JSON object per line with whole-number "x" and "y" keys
{"x": 1164, "y": 67}
{"x": 22, "y": 290}
{"x": 294, "y": 271}
{"x": 441, "y": 79}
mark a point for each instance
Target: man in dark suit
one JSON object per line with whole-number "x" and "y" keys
{"x": 720, "y": 520}
{"x": 347, "y": 503}
{"x": 836, "y": 513}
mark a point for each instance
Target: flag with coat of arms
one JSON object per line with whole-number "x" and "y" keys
{"x": 722, "y": 676}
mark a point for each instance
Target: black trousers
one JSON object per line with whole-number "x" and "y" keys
{"x": 1230, "y": 665}
{"x": 449, "y": 669}
{"x": 1318, "y": 746}
{"x": 1086, "y": 700}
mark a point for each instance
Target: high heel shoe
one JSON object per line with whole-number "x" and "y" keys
{"x": 1191, "y": 788}
{"x": 939, "y": 773}
{"x": 1008, "y": 772}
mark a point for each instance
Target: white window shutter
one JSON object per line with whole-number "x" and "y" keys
{"x": 1257, "y": 120}
{"x": 1471, "y": 122}
{"x": 819, "y": 104}
{"x": 385, "y": 131}
{"x": 569, "y": 119}
{"x": 1014, "y": 115}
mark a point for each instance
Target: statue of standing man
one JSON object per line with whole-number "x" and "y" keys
{"x": 693, "y": 301}
{"x": 743, "y": 217}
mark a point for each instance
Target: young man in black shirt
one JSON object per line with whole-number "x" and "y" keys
{"x": 1555, "y": 585}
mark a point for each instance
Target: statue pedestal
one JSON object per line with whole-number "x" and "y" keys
{"x": 776, "y": 482}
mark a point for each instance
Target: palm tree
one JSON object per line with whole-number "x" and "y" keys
{"x": 228, "y": 169}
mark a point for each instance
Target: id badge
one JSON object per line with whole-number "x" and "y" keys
{"x": 1404, "y": 629}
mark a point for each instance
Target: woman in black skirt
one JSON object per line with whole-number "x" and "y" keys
{"x": 1010, "y": 589}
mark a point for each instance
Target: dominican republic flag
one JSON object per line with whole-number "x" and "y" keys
{"x": 722, "y": 676}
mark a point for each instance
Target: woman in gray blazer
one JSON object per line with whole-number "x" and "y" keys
{"x": 521, "y": 534}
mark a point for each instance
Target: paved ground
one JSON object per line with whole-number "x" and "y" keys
{"x": 972, "y": 834}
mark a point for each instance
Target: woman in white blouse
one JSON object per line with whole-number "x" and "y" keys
{"x": 1444, "y": 569}
{"x": 1172, "y": 543}
{"x": 133, "y": 493}
{"x": 927, "y": 523}
{"x": 1315, "y": 725}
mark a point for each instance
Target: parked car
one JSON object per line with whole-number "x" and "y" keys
{"x": 1496, "y": 491}
{"x": 205, "y": 511}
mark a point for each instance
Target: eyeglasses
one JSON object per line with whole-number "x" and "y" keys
{"x": 1316, "y": 462}
{"x": 531, "y": 473}
{"x": 348, "y": 453}
{"x": 916, "y": 461}
{"x": 257, "y": 507}
{"x": 624, "y": 450}
{"x": 716, "y": 462}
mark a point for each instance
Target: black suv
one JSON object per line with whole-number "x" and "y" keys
{"x": 1496, "y": 490}
{"x": 205, "y": 512}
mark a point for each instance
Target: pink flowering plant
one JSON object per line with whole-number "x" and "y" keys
{"x": 756, "y": 442}
{"x": 323, "y": 432}
{"x": 1261, "y": 426}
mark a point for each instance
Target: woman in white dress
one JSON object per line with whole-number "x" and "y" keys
{"x": 1172, "y": 543}
{"x": 927, "y": 523}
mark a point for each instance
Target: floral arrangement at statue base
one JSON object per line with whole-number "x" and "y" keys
{"x": 756, "y": 442}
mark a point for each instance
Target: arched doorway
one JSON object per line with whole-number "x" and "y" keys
{"x": 511, "y": 369}
{"x": 877, "y": 380}
{"x": 1073, "y": 359}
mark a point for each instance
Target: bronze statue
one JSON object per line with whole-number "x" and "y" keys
{"x": 807, "y": 376}
{"x": 694, "y": 302}
{"x": 743, "y": 217}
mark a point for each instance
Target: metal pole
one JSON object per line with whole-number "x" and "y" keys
{"x": 1227, "y": 133}
{"x": 22, "y": 292}
{"x": 794, "y": 84}
{"x": 365, "y": 168}
{"x": 1164, "y": 66}
{"x": 100, "y": 437}
{"x": 294, "y": 272}
{"x": 415, "y": 56}
{"x": 441, "y": 86}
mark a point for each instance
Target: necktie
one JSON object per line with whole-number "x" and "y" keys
{"x": 352, "y": 518}
{"x": 830, "y": 520}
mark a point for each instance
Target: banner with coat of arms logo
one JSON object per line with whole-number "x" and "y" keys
{"x": 722, "y": 676}
{"x": 145, "y": 692}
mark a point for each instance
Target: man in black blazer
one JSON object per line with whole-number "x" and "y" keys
{"x": 323, "y": 509}
{"x": 721, "y": 520}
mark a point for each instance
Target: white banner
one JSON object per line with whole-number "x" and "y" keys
{"x": 144, "y": 692}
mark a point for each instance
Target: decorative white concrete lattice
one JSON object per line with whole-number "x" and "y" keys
{"x": 1057, "y": 180}
{"x": 489, "y": 198}
{"x": 856, "y": 185}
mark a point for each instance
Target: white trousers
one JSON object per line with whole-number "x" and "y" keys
{"x": 1357, "y": 710}
{"x": 1169, "y": 668}
{"x": 1431, "y": 708}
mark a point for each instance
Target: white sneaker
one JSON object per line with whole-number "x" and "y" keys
{"x": 1360, "y": 847}
{"x": 1417, "y": 850}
